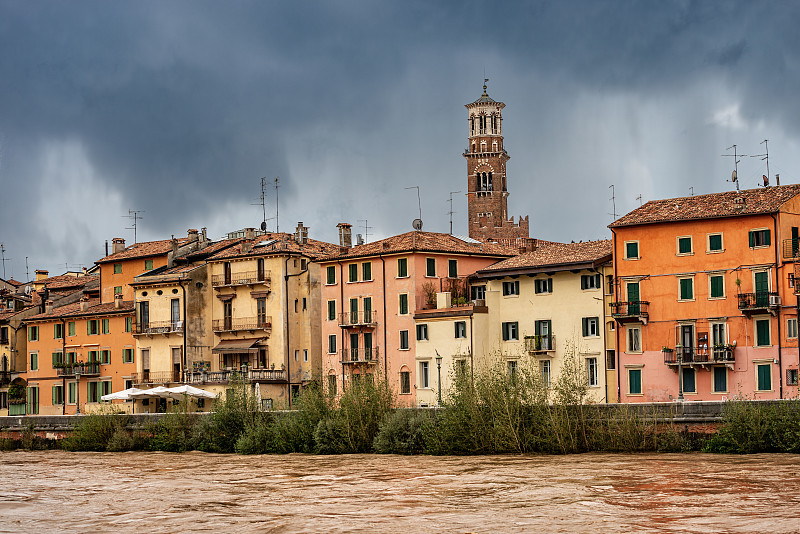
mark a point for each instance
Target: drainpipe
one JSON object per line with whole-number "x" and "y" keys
{"x": 471, "y": 350}
{"x": 385, "y": 343}
{"x": 777, "y": 286}
{"x": 603, "y": 306}
{"x": 616, "y": 296}
{"x": 286, "y": 322}
{"x": 185, "y": 325}
{"x": 64, "y": 359}
{"x": 341, "y": 311}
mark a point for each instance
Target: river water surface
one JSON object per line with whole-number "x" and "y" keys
{"x": 161, "y": 492}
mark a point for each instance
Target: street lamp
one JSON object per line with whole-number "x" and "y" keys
{"x": 439, "y": 372}
{"x": 680, "y": 374}
{"x": 78, "y": 390}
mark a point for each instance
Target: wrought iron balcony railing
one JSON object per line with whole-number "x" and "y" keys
{"x": 225, "y": 376}
{"x": 699, "y": 355}
{"x": 83, "y": 369}
{"x": 762, "y": 300}
{"x": 540, "y": 343}
{"x": 358, "y": 318}
{"x": 240, "y": 279}
{"x": 360, "y": 355}
{"x": 159, "y": 327}
{"x": 233, "y": 324}
{"x": 631, "y": 310}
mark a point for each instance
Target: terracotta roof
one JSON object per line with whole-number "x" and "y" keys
{"x": 95, "y": 308}
{"x": 143, "y": 250}
{"x": 278, "y": 243}
{"x": 67, "y": 281}
{"x": 210, "y": 249}
{"x": 422, "y": 242}
{"x": 713, "y": 206}
{"x": 556, "y": 254}
{"x": 13, "y": 282}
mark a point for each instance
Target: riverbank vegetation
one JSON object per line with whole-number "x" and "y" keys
{"x": 492, "y": 412}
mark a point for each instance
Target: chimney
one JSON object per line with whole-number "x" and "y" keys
{"x": 118, "y": 245}
{"x": 777, "y": 179}
{"x": 249, "y": 233}
{"x": 106, "y": 247}
{"x": 193, "y": 235}
{"x": 84, "y": 303}
{"x": 174, "y": 244}
{"x": 301, "y": 234}
{"x": 41, "y": 274}
{"x": 247, "y": 246}
{"x": 48, "y": 306}
{"x": 117, "y": 301}
{"x": 203, "y": 235}
{"x": 345, "y": 239}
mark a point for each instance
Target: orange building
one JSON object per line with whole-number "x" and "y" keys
{"x": 706, "y": 303}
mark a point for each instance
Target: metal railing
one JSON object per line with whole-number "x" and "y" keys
{"x": 225, "y": 376}
{"x": 629, "y": 309}
{"x": 360, "y": 355}
{"x": 758, "y": 300}
{"x": 231, "y": 324}
{"x": 358, "y": 318}
{"x": 158, "y": 327}
{"x": 691, "y": 355}
{"x": 84, "y": 369}
{"x": 240, "y": 279}
{"x": 158, "y": 377}
{"x": 540, "y": 343}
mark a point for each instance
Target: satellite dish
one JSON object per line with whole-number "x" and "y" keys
{"x": 417, "y": 224}
{"x": 264, "y": 226}
{"x": 28, "y": 290}
{"x": 733, "y": 176}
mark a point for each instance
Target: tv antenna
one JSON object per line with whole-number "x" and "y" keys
{"x": 366, "y": 230}
{"x": 134, "y": 216}
{"x": 27, "y": 271}
{"x": 451, "y": 212}
{"x": 736, "y": 160}
{"x": 691, "y": 190}
{"x": 613, "y": 202}
{"x": 263, "y": 203}
{"x": 277, "y": 222}
{"x": 3, "y": 258}
{"x": 639, "y": 198}
{"x": 419, "y": 202}
{"x": 765, "y": 157}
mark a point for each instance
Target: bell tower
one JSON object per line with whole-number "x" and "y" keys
{"x": 487, "y": 192}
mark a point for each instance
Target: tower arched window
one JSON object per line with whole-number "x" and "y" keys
{"x": 489, "y": 183}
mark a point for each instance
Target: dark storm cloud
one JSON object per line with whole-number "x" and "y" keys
{"x": 179, "y": 107}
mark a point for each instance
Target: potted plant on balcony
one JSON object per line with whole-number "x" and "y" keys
{"x": 429, "y": 289}
{"x": 667, "y": 349}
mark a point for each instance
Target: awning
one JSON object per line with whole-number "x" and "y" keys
{"x": 237, "y": 345}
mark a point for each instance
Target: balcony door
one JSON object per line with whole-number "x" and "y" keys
{"x": 175, "y": 309}
{"x": 542, "y": 329}
{"x": 227, "y": 313}
{"x": 144, "y": 315}
{"x": 633, "y": 298}
{"x": 353, "y": 347}
{"x": 687, "y": 342}
{"x": 368, "y": 346}
{"x": 762, "y": 289}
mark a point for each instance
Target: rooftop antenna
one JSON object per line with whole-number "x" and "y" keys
{"x": 639, "y": 198}
{"x": 451, "y": 210}
{"x": 3, "y": 256}
{"x": 691, "y": 190}
{"x": 765, "y": 157}
{"x": 263, "y": 204}
{"x": 736, "y": 160}
{"x": 613, "y": 202}
{"x": 134, "y": 216}
{"x": 366, "y": 230}
{"x": 277, "y": 222}
{"x": 28, "y": 272}
{"x": 419, "y": 202}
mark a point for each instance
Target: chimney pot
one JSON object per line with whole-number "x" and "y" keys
{"x": 41, "y": 274}
{"x": 118, "y": 245}
{"x": 345, "y": 235}
{"x": 249, "y": 233}
{"x": 117, "y": 301}
{"x": 192, "y": 234}
{"x": 84, "y": 303}
{"x": 48, "y": 306}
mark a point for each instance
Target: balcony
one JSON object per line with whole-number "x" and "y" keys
{"x": 540, "y": 343}
{"x": 236, "y": 324}
{"x": 360, "y": 355}
{"x": 358, "y": 318}
{"x": 630, "y": 311}
{"x": 83, "y": 369}
{"x": 245, "y": 278}
{"x": 158, "y": 327}
{"x": 695, "y": 356}
{"x": 275, "y": 376}
{"x": 159, "y": 377}
{"x": 761, "y": 302}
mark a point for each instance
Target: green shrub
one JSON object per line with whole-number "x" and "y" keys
{"x": 293, "y": 431}
{"x": 402, "y": 432}
{"x": 173, "y": 432}
{"x": 93, "y": 432}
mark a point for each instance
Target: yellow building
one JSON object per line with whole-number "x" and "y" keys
{"x": 266, "y": 315}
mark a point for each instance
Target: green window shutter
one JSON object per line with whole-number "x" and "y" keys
{"x": 635, "y": 381}
{"x": 585, "y": 325}
{"x": 762, "y": 332}
{"x": 584, "y": 280}
{"x": 715, "y": 242}
{"x": 684, "y": 245}
{"x": 686, "y": 289}
{"x": 88, "y": 327}
{"x": 752, "y": 236}
{"x": 764, "y": 377}
{"x": 717, "y": 286}
{"x": 505, "y": 331}
{"x": 766, "y": 237}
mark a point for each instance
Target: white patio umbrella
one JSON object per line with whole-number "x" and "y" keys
{"x": 125, "y": 394}
{"x": 191, "y": 391}
{"x": 159, "y": 391}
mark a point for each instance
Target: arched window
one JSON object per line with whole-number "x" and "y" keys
{"x": 489, "y": 183}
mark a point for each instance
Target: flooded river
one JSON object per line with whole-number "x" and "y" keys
{"x": 160, "y": 492}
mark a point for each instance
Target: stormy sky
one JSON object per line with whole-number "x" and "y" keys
{"x": 179, "y": 108}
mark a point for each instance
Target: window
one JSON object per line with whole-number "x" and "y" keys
{"x": 405, "y": 382}
{"x": 764, "y": 374}
{"x": 330, "y": 274}
{"x": 403, "y": 339}
{"x": 297, "y": 355}
{"x": 762, "y": 333}
{"x": 105, "y": 325}
{"x": 127, "y": 355}
{"x": 93, "y": 392}
{"x": 34, "y": 361}
{"x": 634, "y": 381}
{"x": 352, "y": 271}
{"x": 58, "y": 395}
{"x": 105, "y": 357}
{"x": 366, "y": 271}
{"x": 720, "y": 379}
{"x": 430, "y": 266}
{"x": 510, "y": 331}
{"x": 332, "y": 344}
{"x": 511, "y": 288}
{"x": 93, "y": 358}
{"x": 422, "y": 332}
{"x": 71, "y": 328}
{"x": 93, "y": 327}
{"x": 591, "y": 326}
{"x": 544, "y": 368}
{"x": 759, "y": 238}
{"x": 303, "y": 264}
{"x": 791, "y": 377}
{"x": 332, "y": 385}
{"x": 118, "y": 290}
{"x": 634, "y": 339}
{"x": 72, "y": 390}
{"x": 718, "y": 334}
{"x": 591, "y": 371}
{"x": 331, "y": 310}
{"x": 261, "y": 312}
{"x": 403, "y": 304}
{"x": 402, "y": 267}
{"x": 512, "y": 369}
{"x": 128, "y": 324}
{"x": 631, "y": 250}
{"x": 684, "y": 245}
{"x": 452, "y": 268}
{"x": 58, "y": 331}
{"x": 423, "y": 375}
{"x": 148, "y": 265}
{"x": 714, "y": 242}
{"x": 58, "y": 359}
{"x": 544, "y": 285}
{"x": 461, "y": 329}
{"x": 33, "y": 333}
{"x": 478, "y": 293}
{"x": 367, "y": 303}
{"x": 716, "y": 286}
{"x": 686, "y": 286}
{"x": 590, "y": 281}
{"x": 117, "y": 268}
{"x": 305, "y": 355}
{"x": 791, "y": 328}
{"x": 105, "y": 388}
{"x": 689, "y": 382}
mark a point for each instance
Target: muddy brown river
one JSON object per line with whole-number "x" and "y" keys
{"x": 58, "y": 491}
